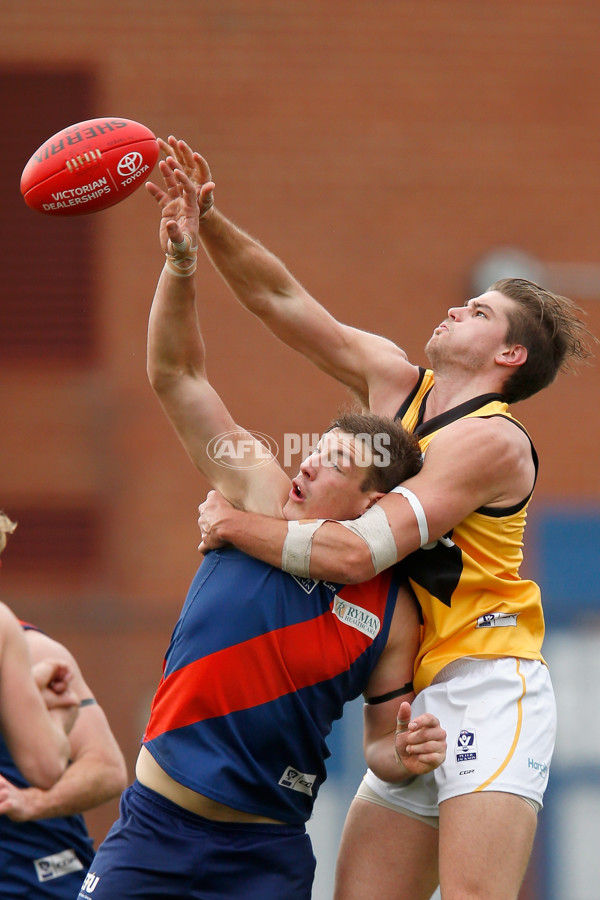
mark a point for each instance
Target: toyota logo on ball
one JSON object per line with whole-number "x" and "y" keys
{"x": 129, "y": 164}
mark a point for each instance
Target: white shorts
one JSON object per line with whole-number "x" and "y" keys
{"x": 500, "y": 719}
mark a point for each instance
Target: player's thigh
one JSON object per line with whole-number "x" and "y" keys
{"x": 485, "y": 844}
{"x": 386, "y": 855}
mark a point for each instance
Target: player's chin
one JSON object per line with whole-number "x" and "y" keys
{"x": 293, "y": 511}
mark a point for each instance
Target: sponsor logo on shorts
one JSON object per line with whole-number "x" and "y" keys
{"x": 466, "y": 772}
{"x": 49, "y": 867}
{"x": 542, "y": 768}
{"x": 356, "y": 617}
{"x": 297, "y": 781}
{"x": 497, "y": 620}
{"x": 89, "y": 885}
{"x": 466, "y": 746}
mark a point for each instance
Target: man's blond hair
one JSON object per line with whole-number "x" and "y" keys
{"x": 6, "y": 527}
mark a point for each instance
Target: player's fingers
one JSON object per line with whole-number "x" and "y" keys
{"x": 177, "y": 245}
{"x": 203, "y": 167}
{"x": 167, "y": 170}
{"x": 168, "y": 167}
{"x": 430, "y": 746}
{"x": 403, "y": 717}
{"x": 425, "y": 720}
{"x": 186, "y": 183}
{"x": 156, "y": 192}
{"x": 185, "y": 153}
{"x": 205, "y": 198}
{"x": 426, "y": 739}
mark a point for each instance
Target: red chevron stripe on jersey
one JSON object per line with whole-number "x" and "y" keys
{"x": 313, "y": 651}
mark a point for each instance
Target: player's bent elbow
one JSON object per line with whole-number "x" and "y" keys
{"x": 120, "y": 778}
{"x": 156, "y": 376}
{"x": 163, "y": 380}
{"x": 113, "y": 782}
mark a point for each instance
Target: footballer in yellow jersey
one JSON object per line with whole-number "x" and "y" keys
{"x": 473, "y": 601}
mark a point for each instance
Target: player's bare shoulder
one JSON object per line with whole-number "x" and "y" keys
{"x": 493, "y": 450}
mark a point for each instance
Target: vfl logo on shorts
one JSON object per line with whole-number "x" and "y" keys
{"x": 497, "y": 620}
{"x": 90, "y": 884}
{"x": 356, "y": 617}
{"x": 297, "y": 781}
{"x": 49, "y": 867}
{"x": 466, "y": 746}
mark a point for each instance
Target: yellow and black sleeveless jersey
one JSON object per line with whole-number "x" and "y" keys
{"x": 473, "y": 601}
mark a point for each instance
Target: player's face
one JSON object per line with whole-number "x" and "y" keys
{"x": 472, "y": 335}
{"x": 328, "y": 483}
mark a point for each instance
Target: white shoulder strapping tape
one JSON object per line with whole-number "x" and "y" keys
{"x": 374, "y": 528}
{"x": 418, "y": 511}
{"x": 295, "y": 555}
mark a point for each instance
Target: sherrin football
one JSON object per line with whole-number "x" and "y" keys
{"x": 89, "y": 166}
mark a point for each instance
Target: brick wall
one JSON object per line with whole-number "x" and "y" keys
{"x": 380, "y": 149}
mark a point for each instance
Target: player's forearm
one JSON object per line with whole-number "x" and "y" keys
{"x": 174, "y": 342}
{"x": 381, "y": 759}
{"x": 337, "y": 554}
{"x": 84, "y": 785}
{"x": 256, "y": 277}
{"x": 45, "y": 763}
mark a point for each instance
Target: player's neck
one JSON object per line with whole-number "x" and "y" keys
{"x": 450, "y": 390}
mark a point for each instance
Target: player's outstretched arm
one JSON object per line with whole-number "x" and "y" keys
{"x": 176, "y": 362}
{"x": 35, "y": 738}
{"x": 97, "y": 770}
{"x": 374, "y": 368}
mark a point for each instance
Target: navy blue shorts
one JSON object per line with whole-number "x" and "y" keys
{"x": 158, "y": 850}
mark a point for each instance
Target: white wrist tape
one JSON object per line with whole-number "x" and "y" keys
{"x": 418, "y": 511}
{"x": 295, "y": 555}
{"x": 374, "y": 528}
{"x": 182, "y": 257}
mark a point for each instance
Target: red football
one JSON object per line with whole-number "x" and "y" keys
{"x": 89, "y": 166}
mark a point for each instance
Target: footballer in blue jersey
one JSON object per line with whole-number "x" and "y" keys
{"x": 260, "y": 663}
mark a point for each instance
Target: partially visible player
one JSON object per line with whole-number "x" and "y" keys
{"x": 260, "y": 662}
{"x": 45, "y": 848}
{"x": 36, "y": 735}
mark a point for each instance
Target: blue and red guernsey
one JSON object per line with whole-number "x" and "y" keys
{"x": 259, "y": 666}
{"x": 43, "y": 857}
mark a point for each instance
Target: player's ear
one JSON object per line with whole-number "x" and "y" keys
{"x": 372, "y": 497}
{"x": 515, "y": 355}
